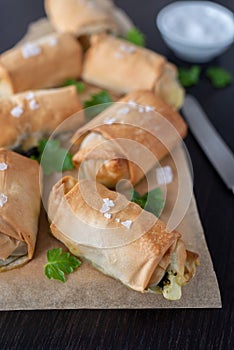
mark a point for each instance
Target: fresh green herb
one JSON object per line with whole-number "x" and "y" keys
{"x": 99, "y": 102}
{"x": 219, "y": 77}
{"x": 60, "y": 263}
{"x": 135, "y": 36}
{"x": 189, "y": 76}
{"x": 52, "y": 157}
{"x": 80, "y": 86}
{"x": 152, "y": 201}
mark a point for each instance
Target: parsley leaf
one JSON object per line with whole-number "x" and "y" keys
{"x": 189, "y": 76}
{"x": 60, "y": 263}
{"x": 52, "y": 157}
{"x": 99, "y": 102}
{"x": 219, "y": 77}
{"x": 135, "y": 36}
{"x": 80, "y": 86}
{"x": 152, "y": 201}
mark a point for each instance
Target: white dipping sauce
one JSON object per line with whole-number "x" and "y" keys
{"x": 199, "y": 24}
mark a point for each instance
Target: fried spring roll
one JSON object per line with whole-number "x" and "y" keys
{"x": 117, "y": 65}
{"x": 19, "y": 209}
{"x": 82, "y": 17}
{"x": 124, "y": 241}
{"x": 141, "y": 129}
{"x": 27, "y": 117}
{"x": 40, "y": 64}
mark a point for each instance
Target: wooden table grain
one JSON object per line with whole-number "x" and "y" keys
{"x": 144, "y": 329}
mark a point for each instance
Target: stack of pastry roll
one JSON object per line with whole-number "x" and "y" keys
{"x": 19, "y": 208}
{"x": 119, "y": 238}
{"x": 27, "y": 117}
{"x": 127, "y": 139}
{"x": 119, "y": 66}
{"x": 40, "y": 64}
{"x": 85, "y": 17}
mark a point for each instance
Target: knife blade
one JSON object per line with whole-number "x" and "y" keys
{"x": 210, "y": 141}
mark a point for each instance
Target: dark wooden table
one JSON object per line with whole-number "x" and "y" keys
{"x": 144, "y": 329}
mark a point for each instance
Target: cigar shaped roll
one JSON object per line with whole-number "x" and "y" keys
{"x": 127, "y": 139}
{"x": 27, "y": 117}
{"x": 122, "y": 240}
{"x": 82, "y": 17}
{"x": 19, "y": 209}
{"x": 43, "y": 63}
{"x": 117, "y": 65}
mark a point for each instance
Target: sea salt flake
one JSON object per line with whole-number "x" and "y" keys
{"x": 3, "y": 166}
{"x": 117, "y": 220}
{"x": 53, "y": 41}
{"x": 109, "y": 121}
{"x": 105, "y": 208}
{"x": 107, "y": 215}
{"x": 118, "y": 55}
{"x": 33, "y": 105}
{"x": 132, "y": 104}
{"x": 124, "y": 110}
{"x": 141, "y": 109}
{"x": 30, "y": 50}
{"x": 127, "y": 223}
{"x": 109, "y": 202}
{"x": 3, "y": 199}
{"x": 29, "y": 96}
{"x": 17, "y": 111}
{"x": 127, "y": 48}
{"x": 149, "y": 109}
{"x": 164, "y": 175}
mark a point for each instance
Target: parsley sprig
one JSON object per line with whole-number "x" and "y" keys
{"x": 80, "y": 86}
{"x": 98, "y": 102}
{"x": 152, "y": 201}
{"x": 189, "y": 76}
{"x": 52, "y": 157}
{"x": 218, "y": 77}
{"x": 135, "y": 36}
{"x": 59, "y": 264}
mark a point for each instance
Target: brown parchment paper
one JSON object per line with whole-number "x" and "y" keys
{"x": 27, "y": 288}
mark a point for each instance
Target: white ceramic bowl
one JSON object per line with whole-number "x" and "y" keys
{"x": 197, "y": 31}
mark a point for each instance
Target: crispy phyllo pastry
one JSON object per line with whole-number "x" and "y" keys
{"x": 119, "y": 66}
{"x": 85, "y": 17}
{"x": 19, "y": 209}
{"x": 40, "y": 64}
{"x": 27, "y": 117}
{"x": 119, "y": 238}
{"x": 127, "y": 139}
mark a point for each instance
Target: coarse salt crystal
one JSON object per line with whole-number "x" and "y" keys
{"x": 118, "y": 55}
{"x": 132, "y": 103}
{"x": 29, "y": 96}
{"x": 17, "y": 111}
{"x": 141, "y": 109}
{"x": 127, "y": 223}
{"x": 149, "y": 109}
{"x": 107, "y": 215}
{"x": 164, "y": 175}
{"x": 33, "y": 105}
{"x": 3, "y": 166}
{"x": 105, "y": 208}
{"x": 53, "y": 41}
{"x": 30, "y": 50}
{"x": 3, "y": 199}
{"x": 117, "y": 220}
{"x": 124, "y": 110}
{"x": 109, "y": 202}
{"x": 127, "y": 48}
{"x": 109, "y": 120}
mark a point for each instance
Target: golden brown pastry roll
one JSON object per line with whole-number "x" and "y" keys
{"x": 122, "y": 67}
{"x": 19, "y": 209}
{"x": 82, "y": 17}
{"x": 119, "y": 238}
{"x": 27, "y": 117}
{"x": 43, "y": 63}
{"x": 132, "y": 134}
